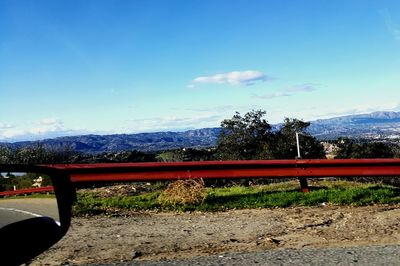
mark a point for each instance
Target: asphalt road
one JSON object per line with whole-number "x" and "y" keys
{"x": 9, "y": 216}
{"x": 14, "y": 210}
{"x": 367, "y": 255}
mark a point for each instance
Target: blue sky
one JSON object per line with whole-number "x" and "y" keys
{"x": 77, "y": 67}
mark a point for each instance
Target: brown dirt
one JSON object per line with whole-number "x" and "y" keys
{"x": 154, "y": 236}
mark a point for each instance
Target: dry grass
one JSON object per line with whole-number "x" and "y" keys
{"x": 183, "y": 192}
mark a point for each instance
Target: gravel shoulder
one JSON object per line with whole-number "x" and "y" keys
{"x": 160, "y": 236}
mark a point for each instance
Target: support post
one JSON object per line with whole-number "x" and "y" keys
{"x": 304, "y": 184}
{"x": 303, "y": 180}
{"x": 298, "y": 146}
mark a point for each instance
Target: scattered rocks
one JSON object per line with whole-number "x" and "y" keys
{"x": 273, "y": 240}
{"x": 136, "y": 254}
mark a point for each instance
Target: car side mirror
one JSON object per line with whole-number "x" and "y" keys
{"x": 35, "y": 211}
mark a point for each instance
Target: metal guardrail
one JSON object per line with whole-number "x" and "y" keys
{"x": 300, "y": 168}
{"x": 27, "y": 191}
{"x": 229, "y": 169}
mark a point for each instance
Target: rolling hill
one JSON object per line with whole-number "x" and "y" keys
{"x": 377, "y": 125}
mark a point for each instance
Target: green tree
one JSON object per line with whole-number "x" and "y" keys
{"x": 35, "y": 154}
{"x": 284, "y": 145}
{"x": 191, "y": 154}
{"x": 7, "y": 155}
{"x": 115, "y": 157}
{"x": 244, "y": 137}
{"x": 185, "y": 155}
{"x": 170, "y": 156}
{"x": 349, "y": 148}
{"x": 251, "y": 137}
{"x": 396, "y": 150}
{"x": 6, "y": 183}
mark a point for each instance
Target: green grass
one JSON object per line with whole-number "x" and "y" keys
{"x": 29, "y": 196}
{"x": 90, "y": 203}
{"x": 285, "y": 194}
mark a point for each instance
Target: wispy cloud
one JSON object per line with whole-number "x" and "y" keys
{"x": 218, "y": 109}
{"x": 41, "y": 129}
{"x": 49, "y": 122}
{"x": 234, "y": 78}
{"x": 6, "y": 126}
{"x": 212, "y": 109}
{"x": 9, "y": 134}
{"x": 392, "y": 27}
{"x": 287, "y": 92}
{"x": 46, "y": 125}
{"x": 173, "y": 123}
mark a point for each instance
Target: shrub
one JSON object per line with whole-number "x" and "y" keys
{"x": 184, "y": 192}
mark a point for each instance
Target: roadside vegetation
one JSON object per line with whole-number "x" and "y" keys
{"x": 30, "y": 196}
{"x": 283, "y": 194}
{"x": 13, "y": 181}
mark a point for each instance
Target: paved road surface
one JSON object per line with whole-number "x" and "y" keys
{"x": 370, "y": 256}
{"x": 9, "y": 216}
{"x": 13, "y": 210}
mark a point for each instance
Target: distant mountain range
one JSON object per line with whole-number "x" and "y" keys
{"x": 199, "y": 138}
{"x": 377, "y": 125}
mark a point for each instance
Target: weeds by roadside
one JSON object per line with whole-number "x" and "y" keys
{"x": 192, "y": 196}
{"x": 183, "y": 192}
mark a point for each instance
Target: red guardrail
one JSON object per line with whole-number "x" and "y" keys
{"x": 229, "y": 169}
{"x": 126, "y": 172}
{"x": 27, "y": 191}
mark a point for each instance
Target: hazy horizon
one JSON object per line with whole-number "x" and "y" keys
{"x": 58, "y": 134}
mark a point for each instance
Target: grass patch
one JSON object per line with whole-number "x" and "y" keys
{"x": 29, "y": 196}
{"x": 90, "y": 203}
{"x": 285, "y": 194}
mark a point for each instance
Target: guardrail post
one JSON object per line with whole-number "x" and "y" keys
{"x": 303, "y": 180}
{"x": 304, "y": 184}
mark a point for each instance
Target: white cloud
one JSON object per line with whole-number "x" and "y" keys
{"x": 214, "y": 109}
{"x": 49, "y": 122}
{"x": 11, "y": 134}
{"x": 392, "y": 27}
{"x": 6, "y": 126}
{"x": 302, "y": 88}
{"x": 288, "y": 91}
{"x": 45, "y": 128}
{"x": 234, "y": 78}
{"x": 174, "y": 123}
